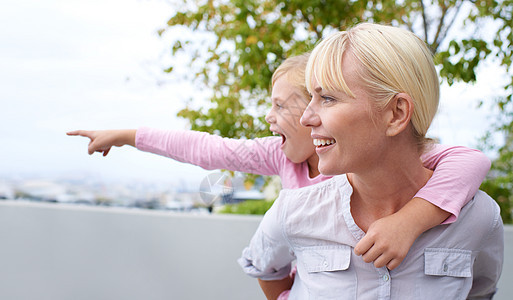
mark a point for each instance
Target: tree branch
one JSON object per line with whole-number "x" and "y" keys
{"x": 443, "y": 33}
{"x": 309, "y": 22}
{"x": 408, "y": 23}
{"x": 436, "y": 43}
{"x": 424, "y": 21}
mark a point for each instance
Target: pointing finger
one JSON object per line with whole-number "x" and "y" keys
{"x": 84, "y": 133}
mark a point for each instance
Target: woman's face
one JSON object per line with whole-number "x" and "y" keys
{"x": 347, "y": 138}
{"x": 288, "y": 104}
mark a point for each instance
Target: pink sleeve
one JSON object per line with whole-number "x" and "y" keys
{"x": 458, "y": 173}
{"x": 258, "y": 156}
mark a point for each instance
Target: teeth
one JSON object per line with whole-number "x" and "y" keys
{"x": 323, "y": 142}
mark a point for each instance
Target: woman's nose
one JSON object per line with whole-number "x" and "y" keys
{"x": 310, "y": 118}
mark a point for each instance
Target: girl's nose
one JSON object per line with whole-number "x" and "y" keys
{"x": 270, "y": 118}
{"x": 310, "y": 118}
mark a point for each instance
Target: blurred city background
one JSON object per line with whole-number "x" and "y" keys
{"x": 117, "y": 64}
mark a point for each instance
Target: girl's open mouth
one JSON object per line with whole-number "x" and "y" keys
{"x": 283, "y": 138}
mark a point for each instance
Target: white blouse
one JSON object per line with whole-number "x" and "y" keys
{"x": 314, "y": 225}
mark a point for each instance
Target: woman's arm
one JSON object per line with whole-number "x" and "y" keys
{"x": 268, "y": 256}
{"x": 273, "y": 288}
{"x": 489, "y": 260}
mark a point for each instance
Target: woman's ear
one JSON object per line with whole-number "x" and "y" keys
{"x": 400, "y": 110}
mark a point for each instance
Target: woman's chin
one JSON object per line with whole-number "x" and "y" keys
{"x": 328, "y": 170}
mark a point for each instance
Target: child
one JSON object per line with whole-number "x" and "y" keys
{"x": 292, "y": 156}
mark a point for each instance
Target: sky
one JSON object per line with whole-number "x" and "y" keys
{"x": 72, "y": 64}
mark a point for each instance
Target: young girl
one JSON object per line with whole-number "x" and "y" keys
{"x": 292, "y": 156}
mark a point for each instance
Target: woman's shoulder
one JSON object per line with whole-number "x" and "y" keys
{"x": 484, "y": 206}
{"x": 480, "y": 215}
{"x": 330, "y": 186}
{"x": 482, "y": 203}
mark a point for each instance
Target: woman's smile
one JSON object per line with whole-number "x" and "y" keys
{"x": 323, "y": 145}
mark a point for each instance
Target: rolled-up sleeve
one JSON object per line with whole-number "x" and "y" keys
{"x": 268, "y": 255}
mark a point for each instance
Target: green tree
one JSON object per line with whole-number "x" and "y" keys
{"x": 499, "y": 183}
{"x": 252, "y": 37}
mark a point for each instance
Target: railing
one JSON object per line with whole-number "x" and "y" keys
{"x": 53, "y": 251}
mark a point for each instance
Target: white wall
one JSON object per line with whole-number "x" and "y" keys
{"x": 67, "y": 252}
{"x": 50, "y": 251}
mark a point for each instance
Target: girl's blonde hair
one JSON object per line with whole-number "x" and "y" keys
{"x": 392, "y": 60}
{"x": 293, "y": 68}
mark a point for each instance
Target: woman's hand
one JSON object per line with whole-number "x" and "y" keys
{"x": 103, "y": 140}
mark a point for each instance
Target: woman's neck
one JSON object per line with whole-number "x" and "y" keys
{"x": 386, "y": 188}
{"x": 313, "y": 166}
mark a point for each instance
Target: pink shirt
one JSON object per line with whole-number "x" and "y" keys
{"x": 458, "y": 171}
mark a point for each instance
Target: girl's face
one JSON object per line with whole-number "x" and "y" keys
{"x": 347, "y": 136}
{"x": 288, "y": 104}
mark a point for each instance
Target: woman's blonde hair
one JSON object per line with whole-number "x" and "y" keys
{"x": 293, "y": 68}
{"x": 392, "y": 60}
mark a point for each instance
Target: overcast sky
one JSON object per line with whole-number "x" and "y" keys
{"x": 73, "y": 64}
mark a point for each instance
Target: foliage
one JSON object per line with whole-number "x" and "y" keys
{"x": 252, "y": 37}
{"x": 499, "y": 184}
{"x": 503, "y": 196}
{"x": 248, "y": 207}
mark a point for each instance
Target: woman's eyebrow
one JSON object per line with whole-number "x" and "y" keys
{"x": 318, "y": 89}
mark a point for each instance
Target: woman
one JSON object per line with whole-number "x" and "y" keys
{"x": 374, "y": 94}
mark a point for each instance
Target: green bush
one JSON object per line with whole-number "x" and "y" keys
{"x": 248, "y": 207}
{"x": 503, "y": 196}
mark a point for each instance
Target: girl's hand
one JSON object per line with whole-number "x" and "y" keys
{"x": 386, "y": 242}
{"x": 389, "y": 239}
{"x": 103, "y": 140}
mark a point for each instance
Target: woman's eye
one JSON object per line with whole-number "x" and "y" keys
{"x": 327, "y": 99}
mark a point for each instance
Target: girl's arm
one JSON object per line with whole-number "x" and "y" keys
{"x": 458, "y": 173}
{"x": 259, "y": 156}
{"x": 103, "y": 140}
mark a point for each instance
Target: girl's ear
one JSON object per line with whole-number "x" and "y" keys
{"x": 400, "y": 110}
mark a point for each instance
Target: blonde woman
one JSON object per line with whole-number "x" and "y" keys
{"x": 374, "y": 93}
